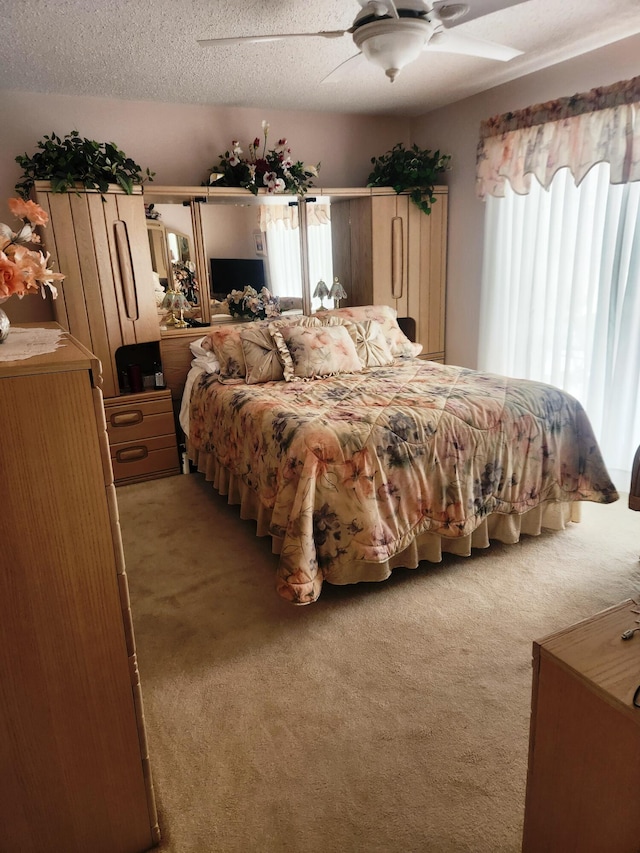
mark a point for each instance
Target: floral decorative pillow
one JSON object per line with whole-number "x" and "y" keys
{"x": 261, "y": 357}
{"x": 312, "y": 352}
{"x": 226, "y": 344}
{"x": 386, "y": 316}
{"x": 371, "y": 344}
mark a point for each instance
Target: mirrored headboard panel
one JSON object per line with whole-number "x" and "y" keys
{"x": 293, "y": 242}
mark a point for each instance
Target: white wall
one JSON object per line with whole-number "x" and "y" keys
{"x": 454, "y": 130}
{"x": 181, "y": 142}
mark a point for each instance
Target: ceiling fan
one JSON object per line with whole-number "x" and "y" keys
{"x": 393, "y": 33}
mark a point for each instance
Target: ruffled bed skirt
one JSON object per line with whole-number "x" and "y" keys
{"x": 505, "y": 528}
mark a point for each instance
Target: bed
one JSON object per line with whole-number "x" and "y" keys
{"x": 356, "y": 467}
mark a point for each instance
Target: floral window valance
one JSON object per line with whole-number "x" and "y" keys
{"x": 270, "y": 214}
{"x": 602, "y": 125}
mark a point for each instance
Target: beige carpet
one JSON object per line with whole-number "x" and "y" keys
{"x": 384, "y": 718}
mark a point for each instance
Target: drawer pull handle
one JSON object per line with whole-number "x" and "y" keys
{"x": 132, "y": 454}
{"x": 126, "y": 418}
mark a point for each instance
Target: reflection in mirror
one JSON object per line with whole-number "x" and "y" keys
{"x": 158, "y": 247}
{"x": 319, "y": 250}
{"x": 180, "y": 303}
{"x": 255, "y": 243}
{"x": 179, "y": 248}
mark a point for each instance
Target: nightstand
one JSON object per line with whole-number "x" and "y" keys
{"x": 142, "y": 436}
{"x": 583, "y": 784}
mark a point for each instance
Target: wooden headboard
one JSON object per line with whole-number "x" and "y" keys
{"x": 176, "y": 358}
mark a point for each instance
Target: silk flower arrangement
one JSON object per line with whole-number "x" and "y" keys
{"x": 273, "y": 169}
{"x": 24, "y": 270}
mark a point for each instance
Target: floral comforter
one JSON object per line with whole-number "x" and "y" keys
{"x": 355, "y": 466}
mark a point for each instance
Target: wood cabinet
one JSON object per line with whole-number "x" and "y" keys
{"x": 107, "y": 301}
{"x": 142, "y": 436}
{"x": 176, "y": 360}
{"x": 393, "y": 254}
{"x": 74, "y": 765}
{"x": 584, "y": 752}
{"x": 99, "y": 241}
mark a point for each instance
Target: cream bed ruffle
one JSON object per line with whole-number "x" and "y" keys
{"x": 506, "y": 528}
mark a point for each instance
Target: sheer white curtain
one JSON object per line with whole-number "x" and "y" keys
{"x": 561, "y": 299}
{"x": 320, "y": 259}
{"x": 281, "y": 227}
{"x": 283, "y": 256}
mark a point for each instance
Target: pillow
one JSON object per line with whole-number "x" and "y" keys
{"x": 227, "y": 348}
{"x": 386, "y": 316}
{"x": 261, "y": 356}
{"x": 311, "y": 352}
{"x": 198, "y": 348}
{"x": 226, "y": 344}
{"x": 371, "y": 345}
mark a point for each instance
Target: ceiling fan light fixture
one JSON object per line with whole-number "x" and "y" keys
{"x": 392, "y": 44}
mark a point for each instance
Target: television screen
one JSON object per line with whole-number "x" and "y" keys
{"x": 229, "y": 274}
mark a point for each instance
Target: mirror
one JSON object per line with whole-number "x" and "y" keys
{"x": 234, "y": 239}
{"x": 176, "y": 277}
{"x": 324, "y": 238}
{"x": 158, "y": 247}
{"x": 253, "y": 241}
{"x": 179, "y": 247}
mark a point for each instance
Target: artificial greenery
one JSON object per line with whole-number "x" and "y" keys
{"x": 410, "y": 169}
{"x": 74, "y": 160}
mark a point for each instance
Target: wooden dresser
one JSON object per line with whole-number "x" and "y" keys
{"x": 74, "y": 765}
{"x": 583, "y": 793}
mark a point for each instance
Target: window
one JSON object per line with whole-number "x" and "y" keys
{"x": 561, "y": 299}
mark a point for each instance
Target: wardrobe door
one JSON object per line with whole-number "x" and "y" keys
{"x": 100, "y": 243}
{"x": 390, "y": 243}
{"x": 427, "y": 274}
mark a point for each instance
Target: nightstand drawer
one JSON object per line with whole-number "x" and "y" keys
{"x": 136, "y": 418}
{"x": 141, "y": 460}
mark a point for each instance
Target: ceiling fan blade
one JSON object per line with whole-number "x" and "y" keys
{"x": 451, "y": 16}
{"x": 448, "y": 42}
{"x": 326, "y": 34}
{"x": 345, "y": 69}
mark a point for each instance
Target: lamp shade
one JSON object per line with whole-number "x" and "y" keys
{"x": 321, "y": 291}
{"x": 337, "y": 290}
{"x": 175, "y": 299}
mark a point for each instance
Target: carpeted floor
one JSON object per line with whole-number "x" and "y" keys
{"x": 384, "y": 718}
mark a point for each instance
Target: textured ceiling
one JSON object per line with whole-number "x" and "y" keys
{"x": 148, "y": 51}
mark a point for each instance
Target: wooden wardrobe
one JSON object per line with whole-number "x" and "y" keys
{"x": 392, "y": 253}
{"x": 107, "y": 302}
{"x": 74, "y": 765}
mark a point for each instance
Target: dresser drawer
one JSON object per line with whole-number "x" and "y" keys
{"x": 145, "y": 459}
{"x": 137, "y": 418}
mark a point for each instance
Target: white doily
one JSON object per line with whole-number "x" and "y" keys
{"x": 25, "y": 343}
